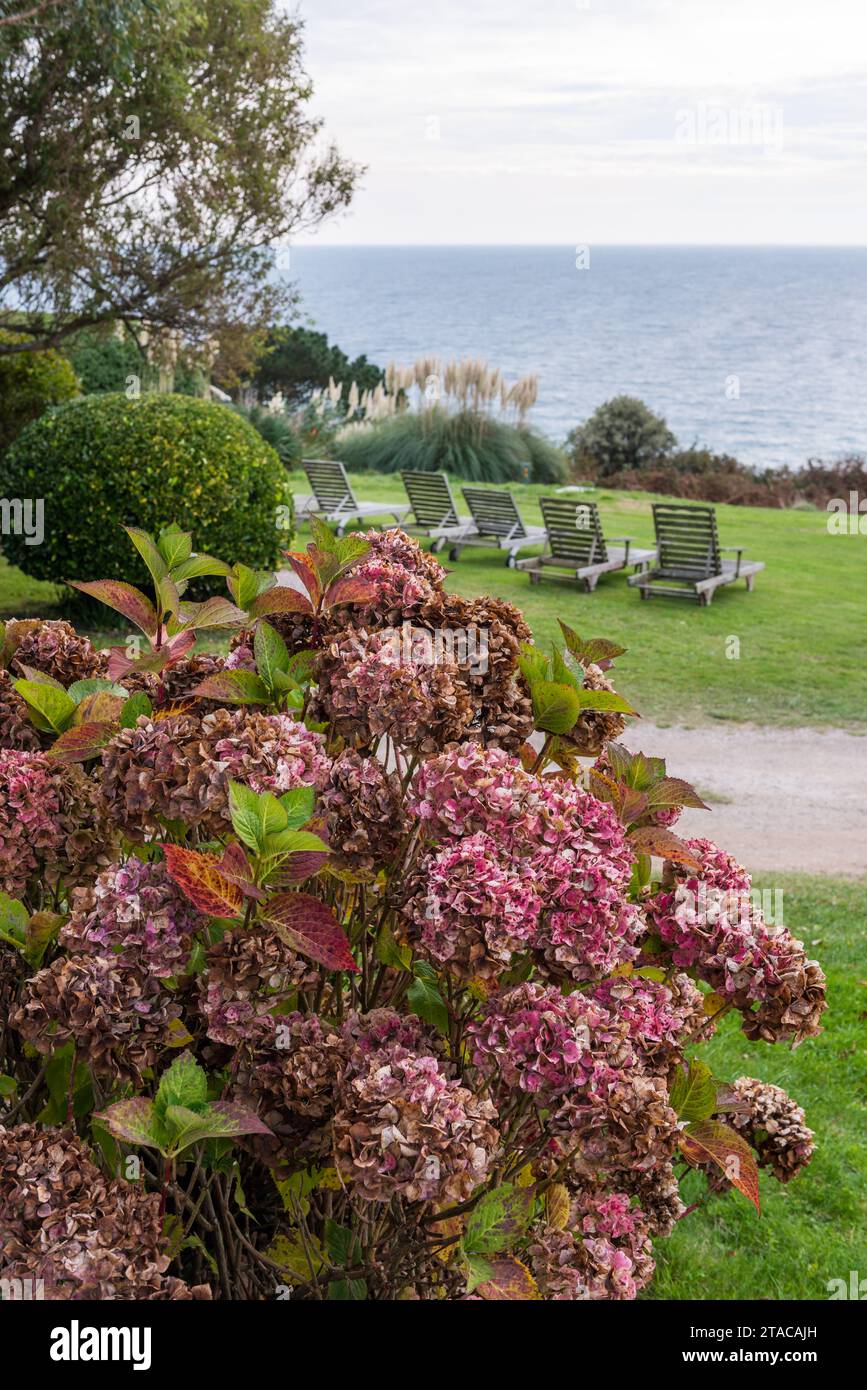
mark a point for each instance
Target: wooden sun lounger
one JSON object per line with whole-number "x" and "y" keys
{"x": 434, "y": 510}
{"x": 575, "y": 547}
{"x": 690, "y": 563}
{"x": 335, "y": 500}
{"x": 496, "y": 521}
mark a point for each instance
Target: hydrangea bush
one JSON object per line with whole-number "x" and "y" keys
{"x": 365, "y": 960}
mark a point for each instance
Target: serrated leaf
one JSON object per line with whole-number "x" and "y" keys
{"x": 82, "y": 742}
{"x": 214, "y": 612}
{"x": 135, "y": 706}
{"x": 693, "y": 1092}
{"x": 298, "y": 804}
{"x": 674, "y": 791}
{"x": 174, "y": 545}
{"x": 509, "y": 1280}
{"x": 558, "y": 1206}
{"x": 124, "y": 599}
{"x": 270, "y": 652}
{"x": 604, "y": 700}
{"x": 149, "y": 551}
{"x": 50, "y": 702}
{"x": 237, "y": 687}
{"x": 134, "y": 1121}
{"x": 199, "y": 877}
{"x": 185, "y": 1083}
{"x": 280, "y": 599}
{"x": 712, "y": 1141}
{"x": 555, "y": 706}
{"x": 498, "y": 1220}
{"x": 310, "y": 927}
{"x": 390, "y": 952}
{"x": 197, "y": 566}
{"x": 246, "y": 813}
{"x": 424, "y": 998}
{"x": 655, "y": 839}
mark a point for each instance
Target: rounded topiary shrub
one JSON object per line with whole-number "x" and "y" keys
{"x": 30, "y": 382}
{"x": 106, "y": 461}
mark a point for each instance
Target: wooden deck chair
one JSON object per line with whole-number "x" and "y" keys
{"x": 336, "y": 502}
{"x": 575, "y": 547}
{"x": 689, "y": 556}
{"x": 496, "y": 521}
{"x": 434, "y": 510}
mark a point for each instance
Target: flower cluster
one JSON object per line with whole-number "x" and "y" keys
{"x": 353, "y": 963}
{"x": 710, "y": 925}
{"x": 179, "y": 768}
{"x": 84, "y": 1235}
{"x": 554, "y": 859}
{"x": 50, "y": 822}
{"x": 137, "y": 914}
{"x": 405, "y": 1128}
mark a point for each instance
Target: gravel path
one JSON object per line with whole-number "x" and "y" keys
{"x": 780, "y": 799}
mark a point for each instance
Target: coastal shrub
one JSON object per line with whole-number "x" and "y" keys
{"x": 30, "y": 382}
{"x": 476, "y": 447}
{"x": 106, "y": 461}
{"x": 276, "y": 429}
{"x": 621, "y": 434}
{"x": 322, "y": 981}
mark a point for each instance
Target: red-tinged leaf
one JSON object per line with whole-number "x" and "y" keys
{"x": 200, "y": 877}
{"x": 528, "y": 755}
{"x": 510, "y": 1281}
{"x": 280, "y": 599}
{"x": 120, "y": 664}
{"x": 100, "y": 708}
{"x": 349, "y": 590}
{"x": 236, "y": 1119}
{"x": 180, "y": 644}
{"x": 655, "y": 839}
{"x": 83, "y": 741}
{"x": 235, "y": 866}
{"x": 712, "y": 1141}
{"x": 299, "y": 867}
{"x": 310, "y": 927}
{"x": 133, "y": 1121}
{"x": 674, "y": 791}
{"x": 214, "y": 612}
{"x": 237, "y": 687}
{"x": 123, "y": 598}
{"x": 630, "y": 804}
{"x": 306, "y": 572}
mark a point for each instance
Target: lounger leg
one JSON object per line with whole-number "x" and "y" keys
{"x": 750, "y": 579}
{"x": 706, "y": 599}
{"x": 455, "y": 553}
{"x": 590, "y": 584}
{"x": 438, "y": 545}
{"x": 511, "y": 560}
{"x": 645, "y": 593}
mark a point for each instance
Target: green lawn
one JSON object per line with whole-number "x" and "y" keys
{"x": 814, "y": 1228}
{"x": 801, "y": 632}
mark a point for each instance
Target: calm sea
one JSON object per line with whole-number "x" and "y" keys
{"x": 758, "y": 352}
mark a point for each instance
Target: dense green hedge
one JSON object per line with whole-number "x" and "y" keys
{"x": 30, "y": 382}
{"x": 104, "y": 461}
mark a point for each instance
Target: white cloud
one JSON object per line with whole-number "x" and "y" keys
{"x": 555, "y": 116}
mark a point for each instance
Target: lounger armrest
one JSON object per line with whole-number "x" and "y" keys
{"x": 627, "y": 541}
{"x": 738, "y": 550}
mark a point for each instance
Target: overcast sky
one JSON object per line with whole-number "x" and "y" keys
{"x": 596, "y": 121}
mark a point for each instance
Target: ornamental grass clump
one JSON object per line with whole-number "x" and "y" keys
{"x": 365, "y": 962}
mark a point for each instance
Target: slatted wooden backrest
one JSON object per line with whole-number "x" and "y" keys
{"x": 495, "y": 513}
{"x": 431, "y": 498}
{"x": 330, "y": 485}
{"x": 687, "y": 540}
{"x": 574, "y": 531}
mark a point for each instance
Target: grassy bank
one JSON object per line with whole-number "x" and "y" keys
{"x": 815, "y": 1228}
{"x": 800, "y": 634}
